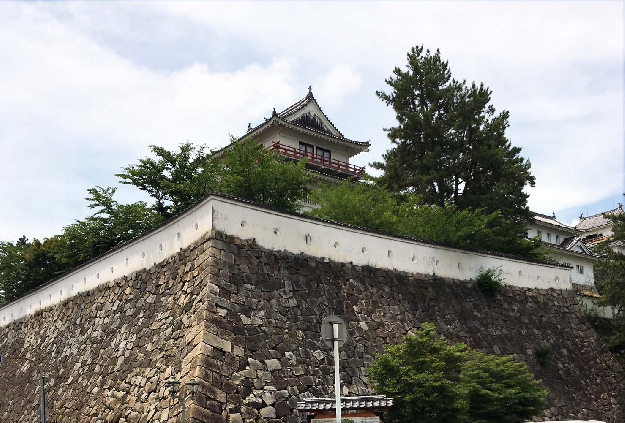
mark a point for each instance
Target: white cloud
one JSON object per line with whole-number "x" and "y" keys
{"x": 338, "y": 83}
{"x": 76, "y": 104}
{"x": 73, "y": 113}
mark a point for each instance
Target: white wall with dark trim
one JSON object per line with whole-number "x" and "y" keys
{"x": 279, "y": 231}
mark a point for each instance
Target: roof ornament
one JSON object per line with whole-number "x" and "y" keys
{"x": 310, "y": 94}
{"x": 249, "y": 127}
{"x": 274, "y": 113}
{"x": 553, "y": 215}
{"x": 581, "y": 216}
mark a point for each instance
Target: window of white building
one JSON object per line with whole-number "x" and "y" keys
{"x": 580, "y": 269}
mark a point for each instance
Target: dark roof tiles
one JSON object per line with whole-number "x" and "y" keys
{"x": 347, "y": 403}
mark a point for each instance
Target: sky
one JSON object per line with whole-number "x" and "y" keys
{"x": 86, "y": 87}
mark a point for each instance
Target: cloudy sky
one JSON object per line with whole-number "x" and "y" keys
{"x": 85, "y": 88}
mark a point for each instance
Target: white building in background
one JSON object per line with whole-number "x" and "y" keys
{"x": 566, "y": 246}
{"x": 574, "y": 245}
{"x": 597, "y": 228}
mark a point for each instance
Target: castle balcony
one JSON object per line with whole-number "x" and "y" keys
{"x": 320, "y": 163}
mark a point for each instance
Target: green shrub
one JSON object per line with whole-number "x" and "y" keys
{"x": 433, "y": 381}
{"x": 490, "y": 281}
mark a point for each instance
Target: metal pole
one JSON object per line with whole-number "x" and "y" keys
{"x": 42, "y": 404}
{"x": 337, "y": 374}
{"x": 184, "y": 409}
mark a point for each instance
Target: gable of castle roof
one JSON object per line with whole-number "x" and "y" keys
{"x": 307, "y": 116}
{"x": 597, "y": 220}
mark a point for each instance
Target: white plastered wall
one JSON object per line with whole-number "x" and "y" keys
{"x": 584, "y": 275}
{"x": 296, "y": 234}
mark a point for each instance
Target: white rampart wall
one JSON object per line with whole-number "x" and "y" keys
{"x": 277, "y": 231}
{"x": 143, "y": 253}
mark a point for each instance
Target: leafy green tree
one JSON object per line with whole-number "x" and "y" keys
{"x": 449, "y": 146}
{"x": 499, "y": 389}
{"x": 374, "y": 208}
{"x": 250, "y": 171}
{"x": 24, "y": 265}
{"x": 357, "y": 204}
{"x": 111, "y": 225}
{"x": 422, "y": 376}
{"x": 432, "y": 381}
{"x": 175, "y": 180}
{"x": 610, "y": 280}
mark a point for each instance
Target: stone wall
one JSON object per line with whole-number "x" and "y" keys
{"x": 245, "y": 321}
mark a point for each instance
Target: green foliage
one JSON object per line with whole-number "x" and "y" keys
{"x": 24, "y": 265}
{"x": 357, "y": 204}
{"x": 450, "y": 146}
{"x": 490, "y": 281}
{"x": 251, "y": 172}
{"x": 112, "y": 224}
{"x": 422, "y": 376}
{"x": 610, "y": 281}
{"x": 542, "y": 355}
{"x": 589, "y": 311}
{"x": 174, "y": 179}
{"x": 177, "y": 180}
{"x": 499, "y": 389}
{"x": 375, "y": 208}
{"x": 432, "y": 381}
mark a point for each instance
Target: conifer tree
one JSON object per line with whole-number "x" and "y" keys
{"x": 449, "y": 145}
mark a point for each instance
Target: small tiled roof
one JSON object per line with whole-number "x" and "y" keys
{"x": 567, "y": 242}
{"x": 597, "y": 220}
{"x": 551, "y": 221}
{"x": 568, "y": 246}
{"x": 347, "y": 403}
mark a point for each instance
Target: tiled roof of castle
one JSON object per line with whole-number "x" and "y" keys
{"x": 311, "y": 124}
{"x": 347, "y": 403}
{"x": 569, "y": 244}
{"x": 597, "y": 220}
{"x": 310, "y": 98}
{"x": 551, "y": 221}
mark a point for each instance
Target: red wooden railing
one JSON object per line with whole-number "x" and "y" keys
{"x": 317, "y": 159}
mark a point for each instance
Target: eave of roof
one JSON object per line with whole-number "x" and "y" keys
{"x": 567, "y": 251}
{"x": 553, "y": 223}
{"x": 276, "y": 120}
{"x": 347, "y": 403}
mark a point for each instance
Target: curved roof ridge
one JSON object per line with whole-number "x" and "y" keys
{"x": 310, "y": 98}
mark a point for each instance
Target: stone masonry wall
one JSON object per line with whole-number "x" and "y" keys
{"x": 245, "y": 322}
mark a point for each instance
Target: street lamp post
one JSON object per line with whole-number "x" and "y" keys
{"x": 180, "y": 392}
{"x": 42, "y": 384}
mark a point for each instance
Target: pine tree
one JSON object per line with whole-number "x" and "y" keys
{"x": 450, "y": 146}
